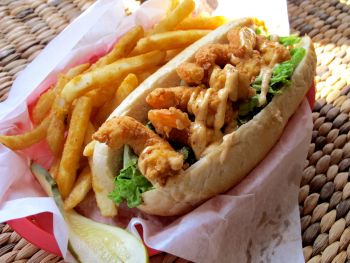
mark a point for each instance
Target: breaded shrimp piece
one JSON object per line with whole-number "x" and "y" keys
{"x": 173, "y": 124}
{"x": 242, "y": 41}
{"x": 272, "y": 52}
{"x": 212, "y": 54}
{"x": 191, "y": 73}
{"x": 157, "y": 159}
{"x": 164, "y": 98}
{"x": 172, "y": 118}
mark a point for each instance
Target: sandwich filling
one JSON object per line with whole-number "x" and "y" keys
{"x": 224, "y": 87}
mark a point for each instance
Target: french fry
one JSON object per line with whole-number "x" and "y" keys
{"x": 55, "y": 132}
{"x": 60, "y": 109}
{"x": 126, "y": 87}
{"x": 77, "y": 70}
{"x": 81, "y": 188}
{"x": 168, "y": 40}
{"x": 170, "y": 54}
{"x": 90, "y": 130}
{"x": 172, "y": 5}
{"x": 200, "y": 22}
{"x": 100, "y": 96}
{"x": 89, "y": 144}
{"x": 73, "y": 145}
{"x": 122, "y": 48}
{"x": 146, "y": 73}
{"x": 180, "y": 12}
{"x": 108, "y": 75}
{"x": 43, "y": 106}
{"x": 22, "y": 141}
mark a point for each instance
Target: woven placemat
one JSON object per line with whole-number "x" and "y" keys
{"x": 26, "y": 26}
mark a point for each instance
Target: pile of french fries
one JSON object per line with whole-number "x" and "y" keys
{"x": 67, "y": 114}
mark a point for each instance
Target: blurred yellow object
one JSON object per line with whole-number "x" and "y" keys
{"x": 200, "y": 22}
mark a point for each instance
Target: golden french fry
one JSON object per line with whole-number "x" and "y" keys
{"x": 73, "y": 145}
{"x": 89, "y": 149}
{"x": 43, "y": 106}
{"x": 22, "y": 141}
{"x": 60, "y": 110}
{"x": 90, "y": 130}
{"x": 146, "y": 73}
{"x": 122, "y": 48}
{"x": 168, "y": 40}
{"x": 81, "y": 188}
{"x": 200, "y": 22}
{"x": 126, "y": 87}
{"x": 170, "y": 54}
{"x": 89, "y": 144}
{"x": 55, "y": 131}
{"x": 172, "y": 5}
{"x": 77, "y": 70}
{"x": 100, "y": 96}
{"x": 174, "y": 18}
{"x": 108, "y": 75}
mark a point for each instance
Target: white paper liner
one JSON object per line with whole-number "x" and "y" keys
{"x": 258, "y": 219}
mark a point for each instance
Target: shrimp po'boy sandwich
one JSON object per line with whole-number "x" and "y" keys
{"x": 203, "y": 121}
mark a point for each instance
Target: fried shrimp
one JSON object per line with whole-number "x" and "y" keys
{"x": 212, "y": 54}
{"x": 242, "y": 40}
{"x": 157, "y": 159}
{"x": 272, "y": 52}
{"x": 172, "y": 124}
{"x": 191, "y": 73}
{"x": 164, "y": 98}
{"x": 171, "y": 118}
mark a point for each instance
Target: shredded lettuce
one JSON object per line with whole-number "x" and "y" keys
{"x": 188, "y": 154}
{"x": 248, "y": 106}
{"x": 289, "y": 40}
{"x": 130, "y": 183}
{"x": 281, "y": 75}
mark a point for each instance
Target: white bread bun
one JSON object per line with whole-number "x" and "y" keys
{"x": 225, "y": 165}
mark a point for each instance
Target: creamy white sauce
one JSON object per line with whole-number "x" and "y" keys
{"x": 228, "y": 141}
{"x": 230, "y": 90}
{"x": 266, "y": 74}
{"x": 199, "y": 106}
{"x": 213, "y": 76}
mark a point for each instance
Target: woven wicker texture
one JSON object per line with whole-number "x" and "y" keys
{"x": 26, "y": 26}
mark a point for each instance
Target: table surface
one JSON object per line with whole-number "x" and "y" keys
{"x": 26, "y": 26}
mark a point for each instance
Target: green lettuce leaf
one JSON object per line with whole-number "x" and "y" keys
{"x": 188, "y": 154}
{"x": 281, "y": 75}
{"x": 282, "y": 72}
{"x": 289, "y": 40}
{"x": 248, "y": 106}
{"x": 130, "y": 183}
